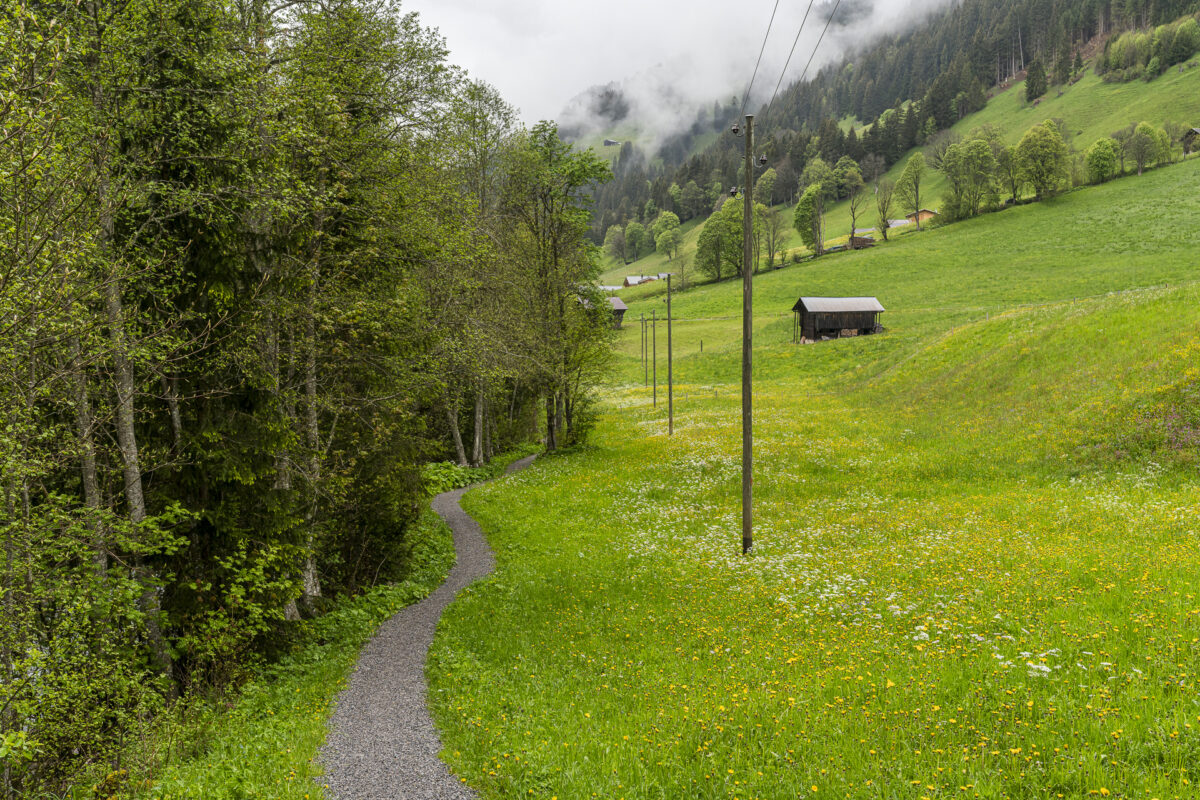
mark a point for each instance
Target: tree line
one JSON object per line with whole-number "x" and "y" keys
{"x": 981, "y": 173}
{"x": 260, "y": 262}
{"x": 907, "y": 88}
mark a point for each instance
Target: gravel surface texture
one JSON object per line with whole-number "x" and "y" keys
{"x": 382, "y": 743}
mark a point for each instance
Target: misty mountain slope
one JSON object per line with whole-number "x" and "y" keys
{"x": 1090, "y": 109}
{"x": 904, "y": 87}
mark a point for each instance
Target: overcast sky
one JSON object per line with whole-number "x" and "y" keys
{"x": 542, "y": 53}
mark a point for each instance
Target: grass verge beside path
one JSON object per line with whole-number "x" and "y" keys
{"x": 263, "y": 742}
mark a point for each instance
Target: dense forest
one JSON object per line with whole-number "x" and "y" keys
{"x": 906, "y": 88}
{"x": 260, "y": 262}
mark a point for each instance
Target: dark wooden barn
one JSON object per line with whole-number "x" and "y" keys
{"x": 818, "y": 318}
{"x": 1191, "y": 141}
{"x": 618, "y": 309}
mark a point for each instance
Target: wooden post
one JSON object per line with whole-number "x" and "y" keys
{"x": 645, "y": 364}
{"x": 654, "y": 349}
{"x": 747, "y": 346}
{"x": 670, "y": 372}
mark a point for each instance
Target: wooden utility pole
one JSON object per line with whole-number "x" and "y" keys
{"x": 654, "y": 349}
{"x": 645, "y": 363}
{"x": 747, "y": 346}
{"x": 670, "y": 372}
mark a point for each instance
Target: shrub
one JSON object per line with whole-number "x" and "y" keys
{"x": 1102, "y": 158}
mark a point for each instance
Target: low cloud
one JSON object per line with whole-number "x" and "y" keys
{"x": 668, "y": 59}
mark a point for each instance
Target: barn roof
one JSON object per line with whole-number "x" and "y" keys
{"x": 833, "y": 305}
{"x": 618, "y": 304}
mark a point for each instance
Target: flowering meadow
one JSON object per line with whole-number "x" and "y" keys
{"x": 977, "y": 550}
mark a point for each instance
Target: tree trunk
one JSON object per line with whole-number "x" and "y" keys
{"x": 452, "y": 420}
{"x": 489, "y": 433}
{"x": 311, "y": 582}
{"x": 283, "y": 465}
{"x": 171, "y": 393}
{"x": 87, "y": 457}
{"x": 551, "y": 433}
{"x": 477, "y": 444}
{"x": 135, "y": 499}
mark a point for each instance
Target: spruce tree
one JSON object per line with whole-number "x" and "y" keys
{"x": 1035, "y": 81}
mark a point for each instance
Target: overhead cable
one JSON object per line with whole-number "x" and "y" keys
{"x": 746, "y": 96}
{"x": 814, "y": 52}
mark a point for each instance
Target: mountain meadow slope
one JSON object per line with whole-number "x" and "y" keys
{"x": 976, "y": 541}
{"x": 1089, "y": 109}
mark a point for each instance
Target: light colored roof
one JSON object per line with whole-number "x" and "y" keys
{"x": 899, "y": 223}
{"x": 610, "y": 288}
{"x": 618, "y": 304}
{"x": 827, "y": 305}
{"x": 861, "y": 231}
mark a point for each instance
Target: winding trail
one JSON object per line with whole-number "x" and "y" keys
{"x": 382, "y": 744}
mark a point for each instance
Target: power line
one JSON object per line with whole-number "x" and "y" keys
{"x": 787, "y": 63}
{"x": 746, "y": 96}
{"x": 820, "y": 39}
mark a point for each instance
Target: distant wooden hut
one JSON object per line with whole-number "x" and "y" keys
{"x": 861, "y": 242}
{"x": 1191, "y": 141}
{"x": 924, "y": 215}
{"x": 618, "y": 308}
{"x": 638, "y": 280}
{"x": 817, "y": 318}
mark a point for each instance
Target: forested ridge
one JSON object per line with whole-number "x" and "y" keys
{"x": 260, "y": 263}
{"x": 903, "y": 88}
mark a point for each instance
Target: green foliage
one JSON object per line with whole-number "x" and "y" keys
{"x": 1035, "y": 81}
{"x": 1148, "y": 145}
{"x": 635, "y": 236}
{"x": 908, "y": 187}
{"x": 806, "y": 218}
{"x": 614, "y": 243}
{"x": 263, "y": 742}
{"x": 277, "y": 253}
{"x": 1102, "y": 160}
{"x": 1042, "y": 157}
{"x": 970, "y": 170}
{"x": 668, "y": 241}
{"x": 764, "y": 186}
{"x": 665, "y": 221}
{"x": 719, "y": 249}
{"x": 1146, "y": 54}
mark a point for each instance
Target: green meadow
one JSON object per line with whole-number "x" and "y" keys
{"x": 1090, "y": 109}
{"x": 976, "y": 537}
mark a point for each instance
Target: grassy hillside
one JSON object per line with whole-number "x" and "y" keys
{"x": 1091, "y": 109}
{"x": 976, "y": 538}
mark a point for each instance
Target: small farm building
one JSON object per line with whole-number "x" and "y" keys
{"x": 818, "y": 318}
{"x": 861, "y": 242}
{"x": 924, "y": 215}
{"x": 638, "y": 280}
{"x": 1191, "y": 140}
{"x": 618, "y": 308}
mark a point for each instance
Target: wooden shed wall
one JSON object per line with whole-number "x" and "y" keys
{"x": 814, "y": 324}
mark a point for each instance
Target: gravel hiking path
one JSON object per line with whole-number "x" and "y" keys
{"x": 382, "y": 743}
